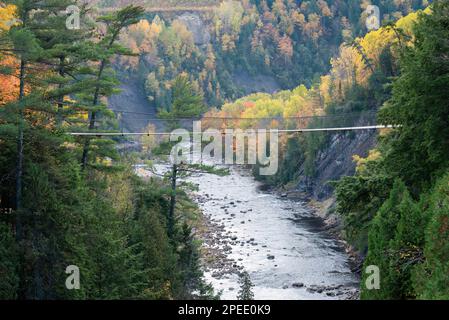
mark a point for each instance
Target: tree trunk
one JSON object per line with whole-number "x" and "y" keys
{"x": 19, "y": 175}
{"x": 171, "y": 214}
{"x": 19, "y": 165}
{"x": 93, "y": 115}
{"x": 60, "y": 98}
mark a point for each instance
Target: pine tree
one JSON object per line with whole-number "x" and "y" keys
{"x": 104, "y": 80}
{"x": 420, "y": 104}
{"x": 245, "y": 292}
{"x": 120, "y": 243}
{"x": 31, "y": 46}
{"x": 67, "y": 52}
{"x": 25, "y": 45}
{"x": 432, "y": 277}
{"x": 395, "y": 236}
{"x": 186, "y": 102}
{"x": 9, "y": 263}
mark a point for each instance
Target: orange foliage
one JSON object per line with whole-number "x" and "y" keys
{"x": 9, "y": 84}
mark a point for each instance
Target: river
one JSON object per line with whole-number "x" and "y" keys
{"x": 279, "y": 242}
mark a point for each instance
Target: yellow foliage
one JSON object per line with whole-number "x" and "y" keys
{"x": 7, "y": 16}
{"x": 349, "y": 68}
{"x": 257, "y": 109}
{"x": 362, "y": 162}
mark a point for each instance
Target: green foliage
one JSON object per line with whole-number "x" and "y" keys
{"x": 186, "y": 102}
{"x": 395, "y": 233}
{"x": 109, "y": 223}
{"x": 408, "y": 240}
{"x": 103, "y": 77}
{"x": 292, "y": 159}
{"x": 245, "y": 292}
{"x": 359, "y": 197}
{"x": 419, "y": 104}
{"x": 9, "y": 280}
{"x": 432, "y": 277}
{"x": 222, "y": 172}
{"x": 191, "y": 275}
{"x": 122, "y": 253}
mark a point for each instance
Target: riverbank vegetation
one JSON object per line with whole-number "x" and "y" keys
{"x": 406, "y": 215}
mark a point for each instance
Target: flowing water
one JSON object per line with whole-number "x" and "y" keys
{"x": 278, "y": 241}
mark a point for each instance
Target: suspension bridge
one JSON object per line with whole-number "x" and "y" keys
{"x": 355, "y": 121}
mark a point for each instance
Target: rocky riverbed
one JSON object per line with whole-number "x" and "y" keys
{"x": 280, "y": 242}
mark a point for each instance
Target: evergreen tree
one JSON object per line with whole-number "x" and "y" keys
{"x": 32, "y": 113}
{"x": 105, "y": 82}
{"x": 186, "y": 102}
{"x": 396, "y": 233}
{"x": 420, "y": 104}
{"x": 245, "y": 292}
{"x": 9, "y": 264}
{"x": 121, "y": 247}
{"x": 432, "y": 277}
{"x": 193, "y": 284}
{"x": 67, "y": 52}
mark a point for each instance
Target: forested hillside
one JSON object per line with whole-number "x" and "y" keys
{"x": 289, "y": 42}
{"x": 358, "y": 82}
{"x": 399, "y": 197}
{"x": 67, "y": 201}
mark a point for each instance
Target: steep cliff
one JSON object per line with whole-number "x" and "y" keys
{"x": 335, "y": 161}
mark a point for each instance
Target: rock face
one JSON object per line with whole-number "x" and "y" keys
{"x": 194, "y": 24}
{"x": 132, "y": 98}
{"x": 332, "y": 163}
{"x": 336, "y": 161}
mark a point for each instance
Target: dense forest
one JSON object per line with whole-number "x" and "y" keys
{"x": 77, "y": 200}
{"x": 67, "y": 201}
{"x": 358, "y": 82}
{"x": 286, "y": 42}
